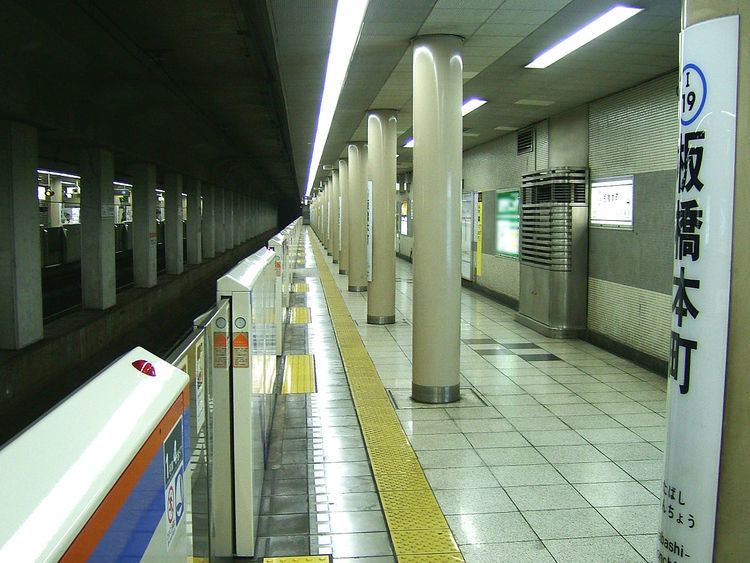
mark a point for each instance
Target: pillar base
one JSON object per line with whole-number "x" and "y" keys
{"x": 435, "y": 394}
{"x": 357, "y": 288}
{"x": 342, "y": 272}
{"x": 381, "y": 319}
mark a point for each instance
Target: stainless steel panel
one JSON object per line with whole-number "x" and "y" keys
{"x": 554, "y": 250}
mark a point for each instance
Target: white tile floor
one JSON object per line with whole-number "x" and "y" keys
{"x": 543, "y": 459}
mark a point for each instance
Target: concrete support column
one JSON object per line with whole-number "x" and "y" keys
{"x": 229, "y": 218}
{"x": 55, "y": 203}
{"x": 208, "y": 225}
{"x": 144, "y": 224}
{"x": 98, "y": 282}
{"x": 173, "y": 222}
{"x": 335, "y": 216}
{"x": 357, "y": 153}
{"x": 438, "y": 91}
{"x": 248, "y": 221}
{"x": 236, "y": 217}
{"x": 194, "y": 220}
{"x": 219, "y": 226}
{"x": 20, "y": 259}
{"x": 731, "y": 541}
{"x": 344, "y": 190}
{"x": 381, "y": 171}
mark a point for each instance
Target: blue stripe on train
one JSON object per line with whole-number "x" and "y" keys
{"x": 131, "y": 531}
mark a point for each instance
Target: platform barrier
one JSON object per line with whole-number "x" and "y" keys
{"x": 157, "y": 460}
{"x": 250, "y": 287}
{"x": 284, "y": 248}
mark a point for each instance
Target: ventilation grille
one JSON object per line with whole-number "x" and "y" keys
{"x": 559, "y": 185}
{"x": 525, "y": 141}
{"x": 546, "y": 216}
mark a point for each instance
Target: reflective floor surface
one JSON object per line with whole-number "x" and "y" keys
{"x": 554, "y": 452}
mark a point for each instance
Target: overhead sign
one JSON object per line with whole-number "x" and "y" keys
{"x": 700, "y": 292}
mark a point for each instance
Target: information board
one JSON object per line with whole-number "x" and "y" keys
{"x": 612, "y": 202}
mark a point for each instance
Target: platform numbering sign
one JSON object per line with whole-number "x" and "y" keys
{"x": 700, "y": 290}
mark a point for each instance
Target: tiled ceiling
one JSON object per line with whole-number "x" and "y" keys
{"x": 501, "y": 37}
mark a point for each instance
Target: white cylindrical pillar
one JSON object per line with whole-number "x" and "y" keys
{"x": 335, "y": 216}
{"x": 344, "y": 189}
{"x": 357, "y": 153}
{"x": 381, "y": 177}
{"x": 438, "y": 90}
{"x": 327, "y": 227}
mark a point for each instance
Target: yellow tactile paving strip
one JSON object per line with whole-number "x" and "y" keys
{"x": 299, "y": 315}
{"x": 298, "y": 559}
{"x": 299, "y": 287}
{"x": 416, "y": 523}
{"x": 299, "y": 374}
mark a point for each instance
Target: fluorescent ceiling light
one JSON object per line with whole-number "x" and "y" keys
{"x": 346, "y": 28}
{"x": 409, "y": 144}
{"x": 471, "y": 104}
{"x": 123, "y": 184}
{"x": 589, "y": 32}
{"x": 505, "y": 128}
{"x": 529, "y": 102}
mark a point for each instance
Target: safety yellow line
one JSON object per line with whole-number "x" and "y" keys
{"x": 416, "y": 523}
{"x": 299, "y": 315}
{"x": 299, "y": 374}
{"x": 298, "y": 559}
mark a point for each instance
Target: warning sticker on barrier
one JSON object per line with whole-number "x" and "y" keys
{"x": 174, "y": 483}
{"x": 241, "y": 350}
{"x": 220, "y": 350}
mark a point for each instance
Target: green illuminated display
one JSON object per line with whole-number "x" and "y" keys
{"x": 507, "y": 223}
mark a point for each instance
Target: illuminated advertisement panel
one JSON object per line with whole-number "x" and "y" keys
{"x": 506, "y": 223}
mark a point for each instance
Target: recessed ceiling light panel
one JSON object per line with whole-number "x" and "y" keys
{"x": 529, "y": 102}
{"x": 471, "y": 104}
{"x": 589, "y": 32}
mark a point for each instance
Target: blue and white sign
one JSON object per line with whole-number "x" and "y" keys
{"x": 174, "y": 480}
{"x": 700, "y": 290}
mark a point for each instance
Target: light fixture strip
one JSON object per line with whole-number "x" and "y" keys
{"x": 346, "y": 29}
{"x": 589, "y": 32}
{"x": 468, "y": 106}
{"x": 471, "y": 104}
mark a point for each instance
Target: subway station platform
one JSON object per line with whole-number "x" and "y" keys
{"x": 553, "y": 453}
